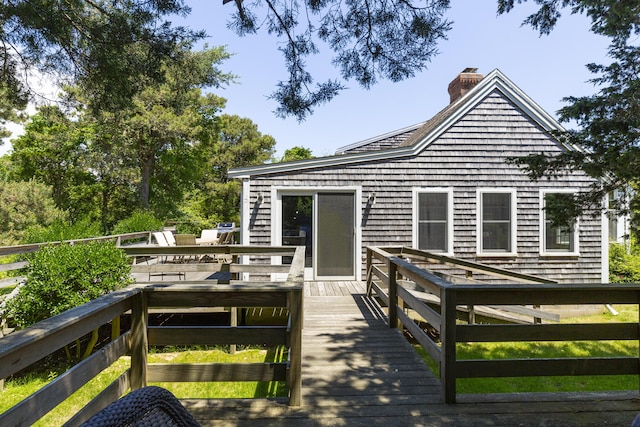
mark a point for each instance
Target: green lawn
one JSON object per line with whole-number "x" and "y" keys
{"x": 550, "y": 350}
{"x": 16, "y": 390}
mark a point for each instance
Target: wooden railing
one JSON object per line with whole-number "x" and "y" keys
{"x": 23, "y": 348}
{"x": 389, "y": 272}
{"x": 119, "y": 239}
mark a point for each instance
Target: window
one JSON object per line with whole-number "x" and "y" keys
{"x": 433, "y": 227}
{"x": 496, "y": 222}
{"x": 556, "y": 240}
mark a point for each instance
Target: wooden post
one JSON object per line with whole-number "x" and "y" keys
{"x": 472, "y": 312}
{"x": 369, "y": 272}
{"x": 139, "y": 341}
{"x": 448, "y": 346}
{"x": 393, "y": 295}
{"x": 537, "y": 320}
{"x": 294, "y": 302}
{"x": 234, "y": 323}
{"x": 115, "y": 328}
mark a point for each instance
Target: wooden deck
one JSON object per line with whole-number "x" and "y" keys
{"x": 358, "y": 372}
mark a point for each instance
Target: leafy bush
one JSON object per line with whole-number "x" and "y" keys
{"x": 61, "y": 230}
{"x": 65, "y": 276}
{"x": 623, "y": 267}
{"x": 138, "y": 221}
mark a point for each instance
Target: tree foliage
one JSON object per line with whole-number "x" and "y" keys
{"x": 624, "y": 267}
{"x": 108, "y": 47}
{"x": 608, "y": 122}
{"x": 23, "y": 205}
{"x": 162, "y": 133}
{"x": 54, "y": 150}
{"x": 371, "y": 40}
{"x": 296, "y": 153}
{"x": 170, "y": 143}
{"x": 236, "y": 142}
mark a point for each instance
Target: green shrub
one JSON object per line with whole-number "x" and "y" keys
{"x": 65, "y": 276}
{"x": 138, "y": 221}
{"x": 623, "y": 267}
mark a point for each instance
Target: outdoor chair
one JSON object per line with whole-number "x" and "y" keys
{"x": 226, "y": 238}
{"x": 208, "y": 237}
{"x": 161, "y": 240}
{"x": 171, "y": 240}
{"x": 147, "y": 406}
{"x": 186, "y": 240}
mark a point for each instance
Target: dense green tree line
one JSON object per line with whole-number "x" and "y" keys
{"x": 168, "y": 152}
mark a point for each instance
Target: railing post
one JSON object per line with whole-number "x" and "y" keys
{"x": 295, "y": 347}
{"x": 139, "y": 341}
{"x": 472, "y": 311}
{"x": 233, "y": 323}
{"x": 369, "y": 271}
{"x": 448, "y": 343}
{"x": 393, "y": 294}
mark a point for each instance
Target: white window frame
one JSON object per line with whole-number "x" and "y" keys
{"x": 513, "y": 218}
{"x": 543, "y": 228}
{"x": 416, "y": 215}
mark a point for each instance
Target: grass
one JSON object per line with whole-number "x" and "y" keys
{"x": 524, "y": 350}
{"x": 19, "y": 388}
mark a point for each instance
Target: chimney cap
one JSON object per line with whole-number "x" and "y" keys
{"x": 469, "y": 70}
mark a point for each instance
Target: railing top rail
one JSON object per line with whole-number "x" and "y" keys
{"x": 25, "y": 249}
{"x": 207, "y": 286}
{"x": 382, "y": 251}
{"x": 476, "y": 267}
{"x": 296, "y": 271}
{"x": 21, "y": 348}
{"x": 547, "y": 294}
{"x": 210, "y": 249}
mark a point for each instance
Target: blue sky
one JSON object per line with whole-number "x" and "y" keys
{"x": 547, "y": 68}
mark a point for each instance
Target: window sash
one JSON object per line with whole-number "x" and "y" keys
{"x": 496, "y": 223}
{"x": 433, "y": 221}
{"x": 557, "y": 239}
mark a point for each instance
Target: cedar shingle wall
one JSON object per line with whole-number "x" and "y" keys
{"x": 470, "y": 156}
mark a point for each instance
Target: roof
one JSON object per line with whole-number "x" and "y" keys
{"x": 388, "y": 140}
{"x": 423, "y": 136}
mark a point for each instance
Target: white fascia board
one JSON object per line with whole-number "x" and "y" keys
{"x": 319, "y": 162}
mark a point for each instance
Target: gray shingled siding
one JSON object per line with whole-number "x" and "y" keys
{"x": 471, "y": 155}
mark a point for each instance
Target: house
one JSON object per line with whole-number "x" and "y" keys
{"x": 442, "y": 185}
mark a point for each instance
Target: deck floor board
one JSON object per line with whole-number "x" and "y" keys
{"x": 359, "y": 372}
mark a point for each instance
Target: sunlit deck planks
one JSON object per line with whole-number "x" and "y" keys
{"x": 358, "y": 372}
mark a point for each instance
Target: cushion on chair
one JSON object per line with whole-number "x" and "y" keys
{"x": 147, "y": 406}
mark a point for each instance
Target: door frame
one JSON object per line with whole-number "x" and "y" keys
{"x": 276, "y": 223}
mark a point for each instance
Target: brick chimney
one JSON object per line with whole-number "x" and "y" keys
{"x": 463, "y": 83}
